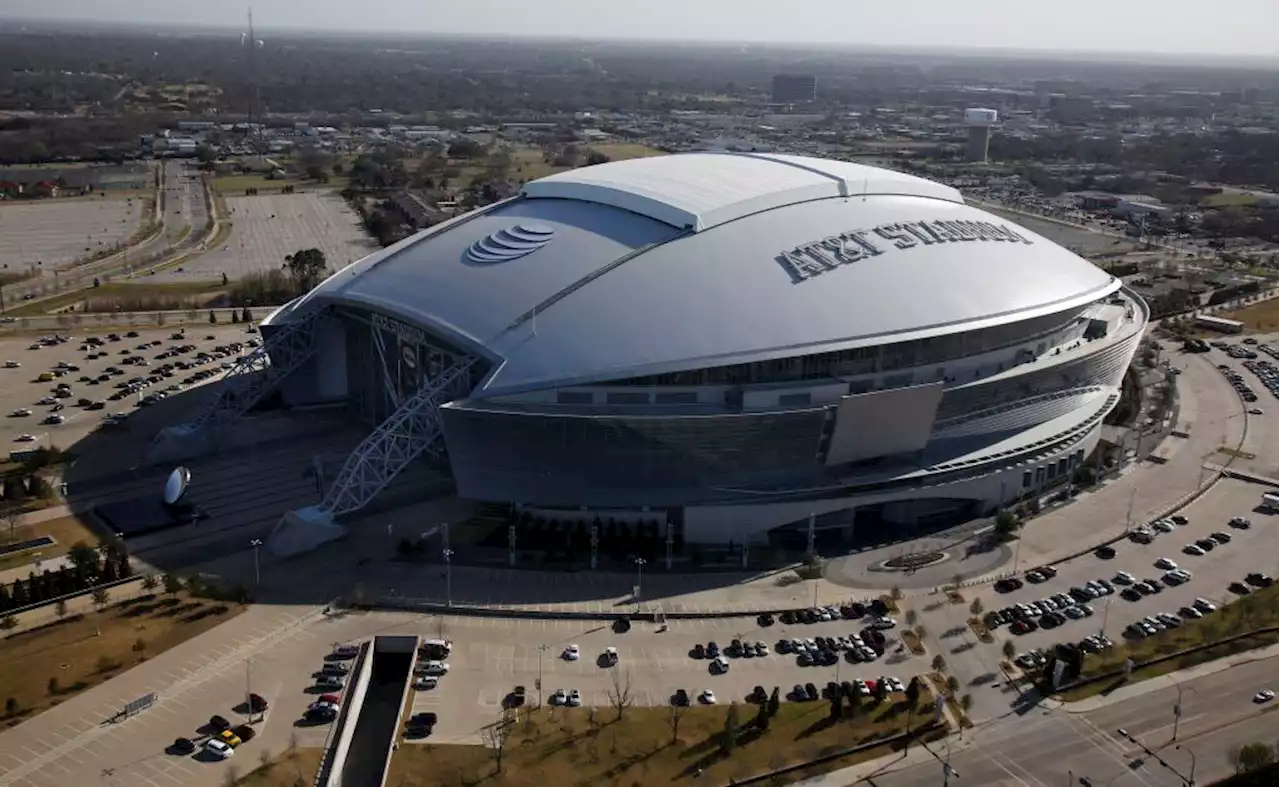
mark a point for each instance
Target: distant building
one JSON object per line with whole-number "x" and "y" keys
{"x": 979, "y": 122}
{"x": 794, "y": 88}
{"x": 1220, "y": 324}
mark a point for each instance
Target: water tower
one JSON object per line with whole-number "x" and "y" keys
{"x": 979, "y": 122}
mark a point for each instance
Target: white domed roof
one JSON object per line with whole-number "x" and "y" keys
{"x": 703, "y": 259}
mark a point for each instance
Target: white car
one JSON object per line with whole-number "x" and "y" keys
{"x": 884, "y": 623}
{"x": 707, "y": 697}
{"x": 435, "y": 668}
{"x": 574, "y": 700}
{"x": 1123, "y": 578}
{"x": 12, "y": 365}
{"x": 21, "y": 412}
{"x": 25, "y": 438}
{"x": 1266, "y": 695}
{"x": 1205, "y": 605}
{"x": 1193, "y": 550}
{"x": 610, "y": 655}
{"x": 571, "y": 653}
{"x": 719, "y": 664}
{"x": 218, "y": 749}
{"x": 560, "y": 697}
{"x": 1166, "y": 564}
{"x": 1252, "y": 410}
{"x": 1164, "y": 526}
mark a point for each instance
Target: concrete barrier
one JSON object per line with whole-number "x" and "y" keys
{"x": 344, "y": 727}
{"x": 76, "y": 321}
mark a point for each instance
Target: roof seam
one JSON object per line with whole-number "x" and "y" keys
{"x": 841, "y": 182}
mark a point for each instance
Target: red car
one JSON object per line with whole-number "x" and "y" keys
{"x": 331, "y": 698}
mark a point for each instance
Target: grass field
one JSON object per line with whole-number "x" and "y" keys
{"x": 563, "y": 747}
{"x": 140, "y": 296}
{"x": 1256, "y": 610}
{"x": 1261, "y": 317}
{"x": 65, "y": 530}
{"x": 71, "y": 653}
{"x": 1228, "y": 199}
{"x": 234, "y": 185}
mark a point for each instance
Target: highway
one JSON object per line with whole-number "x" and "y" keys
{"x": 1054, "y": 747}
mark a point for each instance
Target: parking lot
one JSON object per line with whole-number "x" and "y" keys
{"x": 56, "y": 232}
{"x": 1256, "y": 376}
{"x": 21, "y": 390}
{"x": 1249, "y": 550}
{"x": 267, "y": 228}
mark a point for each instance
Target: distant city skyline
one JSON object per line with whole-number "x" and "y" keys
{"x": 1227, "y": 28}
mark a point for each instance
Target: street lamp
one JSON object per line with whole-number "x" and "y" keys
{"x": 1177, "y": 709}
{"x": 639, "y": 575}
{"x": 541, "y": 649}
{"x": 448, "y": 576}
{"x": 257, "y": 573}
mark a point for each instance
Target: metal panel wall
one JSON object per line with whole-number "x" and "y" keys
{"x": 884, "y": 423}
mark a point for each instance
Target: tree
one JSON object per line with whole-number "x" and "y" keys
{"x": 495, "y": 737}
{"x": 729, "y": 737}
{"x": 1008, "y": 649}
{"x": 172, "y": 583}
{"x": 150, "y": 583}
{"x": 762, "y": 716}
{"x": 855, "y": 702}
{"x": 895, "y": 593}
{"x": 939, "y": 663}
{"x": 84, "y": 558}
{"x": 101, "y": 597}
{"x": 60, "y": 609}
{"x": 596, "y": 157}
{"x": 913, "y": 692}
{"x": 673, "y": 721}
{"x": 1006, "y": 523}
{"x": 775, "y": 702}
{"x": 953, "y": 684}
{"x": 11, "y": 707}
{"x": 966, "y": 702}
{"x": 976, "y": 606}
{"x": 306, "y": 267}
{"x": 882, "y": 691}
{"x": 620, "y": 696}
{"x": 8, "y": 623}
{"x": 837, "y": 707}
{"x": 213, "y": 317}
{"x": 53, "y": 686}
{"x": 1252, "y": 757}
{"x": 911, "y": 617}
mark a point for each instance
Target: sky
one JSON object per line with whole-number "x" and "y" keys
{"x": 1221, "y": 27}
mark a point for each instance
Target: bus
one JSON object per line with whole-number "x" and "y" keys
{"x": 1271, "y": 501}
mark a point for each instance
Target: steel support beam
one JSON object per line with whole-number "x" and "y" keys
{"x": 261, "y": 371}
{"x": 413, "y": 429}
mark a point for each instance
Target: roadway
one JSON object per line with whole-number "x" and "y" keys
{"x": 1044, "y": 747}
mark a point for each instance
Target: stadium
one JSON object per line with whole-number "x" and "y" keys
{"x": 730, "y": 344}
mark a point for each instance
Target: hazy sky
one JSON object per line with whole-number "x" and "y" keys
{"x": 1228, "y": 27}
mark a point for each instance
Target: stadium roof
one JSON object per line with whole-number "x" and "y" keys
{"x": 704, "y": 259}
{"x": 701, "y": 191}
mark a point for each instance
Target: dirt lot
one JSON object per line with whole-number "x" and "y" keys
{"x": 82, "y": 652}
{"x": 296, "y": 768}
{"x": 567, "y": 747}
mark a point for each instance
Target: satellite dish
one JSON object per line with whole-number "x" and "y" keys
{"x": 176, "y": 485}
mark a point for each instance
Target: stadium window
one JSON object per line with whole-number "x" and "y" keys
{"x": 574, "y": 397}
{"x": 1026, "y": 479}
{"x": 627, "y": 398}
{"x": 677, "y": 397}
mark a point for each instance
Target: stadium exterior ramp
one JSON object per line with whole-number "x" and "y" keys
{"x": 729, "y": 342}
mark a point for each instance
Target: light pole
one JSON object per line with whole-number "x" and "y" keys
{"x": 248, "y": 687}
{"x": 257, "y": 573}
{"x": 448, "y": 576}
{"x": 639, "y": 576}
{"x": 1177, "y": 709}
{"x": 541, "y": 649}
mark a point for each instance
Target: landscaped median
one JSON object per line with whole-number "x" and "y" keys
{"x": 1246, "y": 624}
{"x": 662, "y": 745}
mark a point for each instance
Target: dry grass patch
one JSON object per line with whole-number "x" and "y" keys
{"x": 1262, "y": 317}
{"x": 44, "y": 666}
{"x": 297, "y": 768}
{"x": 1257, "y": 610}
{"x": 980, "y": 630}
{"x": 65, "y": 531}
{"x": 913, "y": 643}
{"x": 566, "y": 747}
